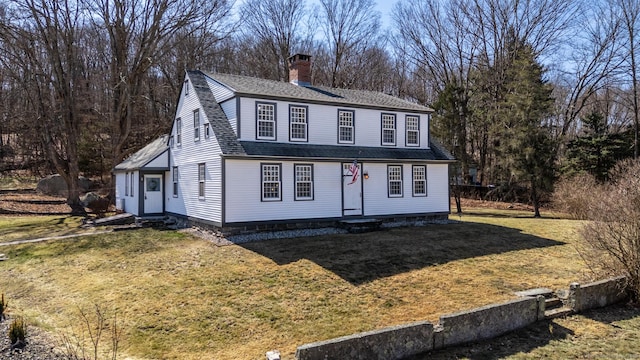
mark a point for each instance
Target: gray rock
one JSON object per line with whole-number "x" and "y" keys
{"x": 54, "y": 185}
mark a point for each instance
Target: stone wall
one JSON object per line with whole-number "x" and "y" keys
{"x": 488, "y": 321}
{"x": 399, "y": 342}
{"x": 597, "y": 294}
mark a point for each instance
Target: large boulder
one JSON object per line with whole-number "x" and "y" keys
{"x": 54, "y": 185}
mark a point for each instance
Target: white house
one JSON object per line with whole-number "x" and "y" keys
{"x": 248, "y": 152}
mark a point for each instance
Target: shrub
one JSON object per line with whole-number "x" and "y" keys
{"x": 18, "y": 333}
{"x": 611, "y": 236}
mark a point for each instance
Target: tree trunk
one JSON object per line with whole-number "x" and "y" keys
{"x": 534, "y": 198}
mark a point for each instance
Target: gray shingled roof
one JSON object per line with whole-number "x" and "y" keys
{"x": 255, "y": 87}
{"x": 220, "y": 125}
{"x": 145, "y": 155}
{"x": 256, "y": 148}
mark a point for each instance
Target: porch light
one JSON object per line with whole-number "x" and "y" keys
{"x": 366, "y": 174}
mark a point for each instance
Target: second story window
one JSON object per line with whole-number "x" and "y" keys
{"x": 265, "y": 121}
{"x": 388, "y": 129}
{"x": 196, "y": 125}
{"x": 413, "y": 131}
{"x": 297, "y": 123}
{"x": 345, "y": 127}
{"x": 178, "y": 131}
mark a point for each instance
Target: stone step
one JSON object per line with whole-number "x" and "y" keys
{"x": 558, "y": 312}
{"x": 552, "y": 303}
{"x": 547, "y": 293}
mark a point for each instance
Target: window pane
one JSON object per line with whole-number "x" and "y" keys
{"x": 304, "y": 182}
{"x": 419, "y": 180}
{"x": 298, "y": 118}
{"x": 271, "y": 182}
{"x": 345, "y": 125}
{"x": 413, "y": 130}
{"x": 395, "y": 180}
{"x": 266, "y": 120}
{"x": 388, "y": 129}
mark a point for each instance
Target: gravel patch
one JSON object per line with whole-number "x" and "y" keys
{"x": 220, "y": 240}
{"x": 40, "y": 345}
{"x": 284, "y": 234}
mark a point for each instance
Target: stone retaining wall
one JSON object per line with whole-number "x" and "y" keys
{"x": 399, "y": 342}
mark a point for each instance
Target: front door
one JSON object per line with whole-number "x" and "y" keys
{"x": 153, "y": 194}
{"x": 351, "y": 189}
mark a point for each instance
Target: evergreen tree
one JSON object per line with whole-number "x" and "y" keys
{"x": 526, "y": 151}
{"x": 598, "y": 150}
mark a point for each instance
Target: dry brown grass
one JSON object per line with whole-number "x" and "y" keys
{"x": 185, "y": 298}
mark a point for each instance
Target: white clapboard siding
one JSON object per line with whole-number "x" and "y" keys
{"x": 375, "y": 193}
{"x": 187, "y": 156}
{"x": 323, "y": 123}
{"x": 243, "y": 193}
{"x": 161, "y": 161}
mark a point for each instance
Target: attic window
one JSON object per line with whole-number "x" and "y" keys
{"x": 186, "y": 87}
{"x": 207, "y": 130}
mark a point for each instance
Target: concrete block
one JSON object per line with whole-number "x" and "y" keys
{"x": 396, "y": 342}
{"x": 597, "y": 294}
{"x": 488, "y": 321}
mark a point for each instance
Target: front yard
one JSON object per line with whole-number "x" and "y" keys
{"x": 181, "y": 297}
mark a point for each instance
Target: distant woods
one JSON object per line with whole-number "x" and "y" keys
{"x": 515, "y": 85}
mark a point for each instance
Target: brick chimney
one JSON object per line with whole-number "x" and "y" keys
{"x": 300, "y": 70}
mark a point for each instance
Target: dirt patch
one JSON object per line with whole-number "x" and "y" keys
{"x": 31, "y": 203}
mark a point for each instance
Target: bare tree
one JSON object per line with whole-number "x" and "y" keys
{"x": 630, "y": 16}
{"x": 350, "y": 27}
{"x": 139, "y": 34}
{"x": 278, "y": 25}
{"x": 43, "y": 38}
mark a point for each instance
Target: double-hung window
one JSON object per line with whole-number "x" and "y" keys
{"x": 303, "y": 181}
{"x": 126, "y": 184}
{"x": 388, "y": 129}
{"x": 419, "y": 180}
{"x": 394, "y": 177}
{"x": 297, "y": 123}
{"x": 271, "y": 182}
{"x": 201, "y": 179}
{"x": 175, "y": 181}
{"x": 346, "y": 127}
{"x": 413, "y": 130}
{"x": 178, "y": 131}
{"x": 196, "y": 125}
{"x": 266, "y": 121}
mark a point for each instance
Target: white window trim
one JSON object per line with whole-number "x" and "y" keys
{"x": 389, "y": 181}
{"x": 196, "y": 125}
{"x": 385, "y": 118}
{"x": 178, "y": 131}
{"x": 417, "y": 131}
{"x": 202, "y": 175}
{"x": 126, "y": 184}
{"x": 175, "y": 181}
{"x": 414, "y": 180}
{"x": 296, "y": 182}
{"x": 352, "y": 127}
{"x": 277, "y": 182}
{"x": 304, "y": 122}
{"x": 273, "y": 121}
